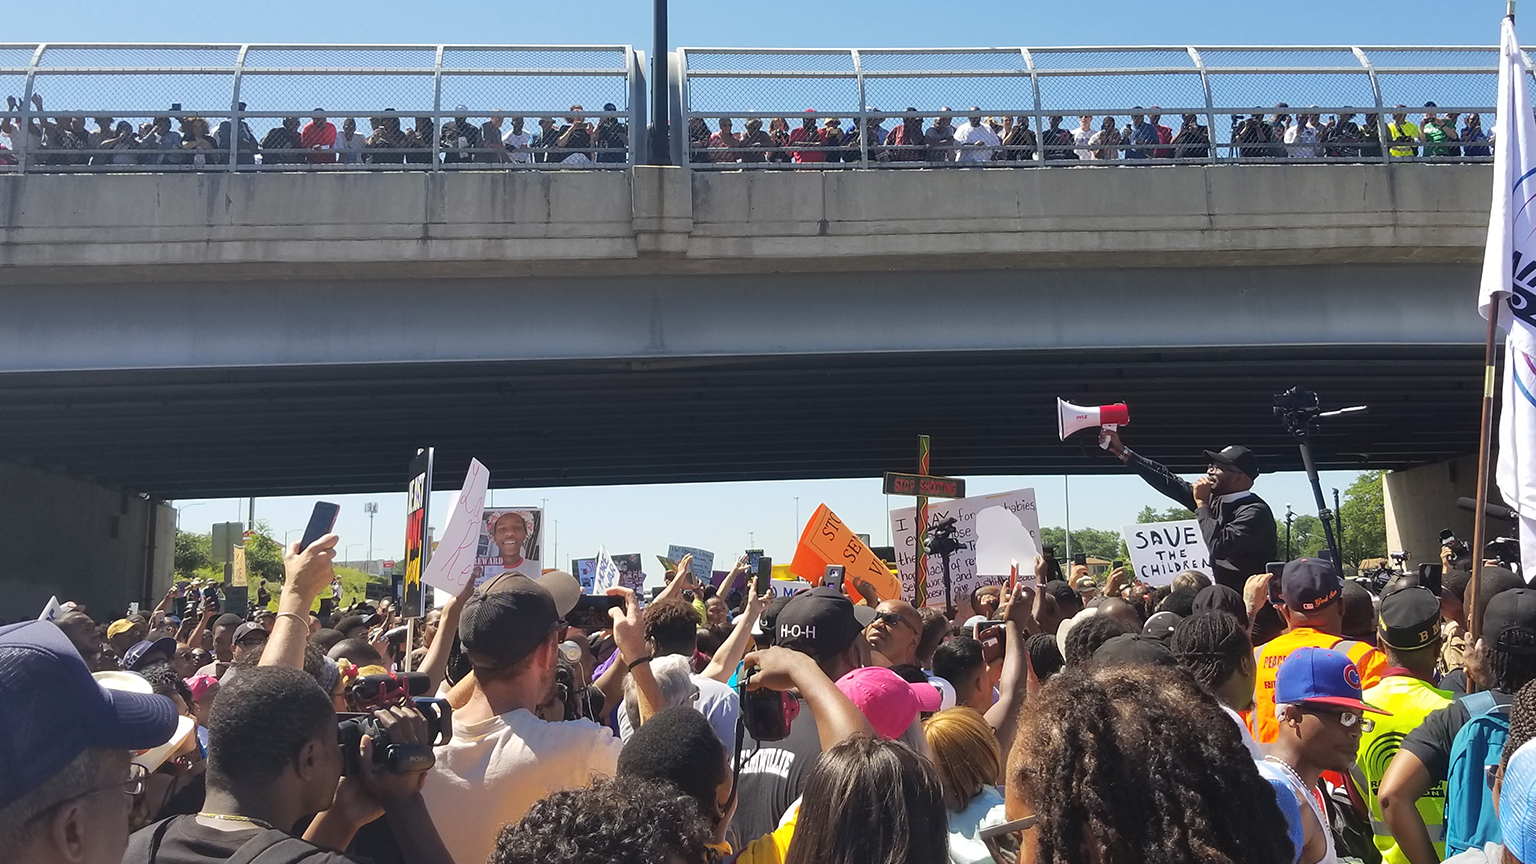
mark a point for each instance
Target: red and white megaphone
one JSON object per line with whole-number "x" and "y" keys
{"x": 1075, "y": 418}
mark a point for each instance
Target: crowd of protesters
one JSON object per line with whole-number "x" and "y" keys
{"x": 175, "y": 141}
{"x": 1055, "y": 720}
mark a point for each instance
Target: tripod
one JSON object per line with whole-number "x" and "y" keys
{"x": 944, "y": 544}
{"x": 1299, "y": 410}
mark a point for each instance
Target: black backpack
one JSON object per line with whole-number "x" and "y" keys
{"x": 266, "y": 846}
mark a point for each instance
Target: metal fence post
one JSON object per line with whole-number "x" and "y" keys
{"x": 437, "y": 111}
{"x": 234, "y": 112}
{"x": 1034, "y": 84}
{"x": 679, "y": 141}
{"x": 1210, "y": 105}
{"x": 1382, "y": 134}
{"x": 639, "y": 149}
{"x": 24, "y": 122}
{"x": 863, "y": 121}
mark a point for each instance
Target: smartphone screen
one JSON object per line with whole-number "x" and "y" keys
{"x": 761, "y": 581}
{"x": 753, "y": 556}
{"x": 1080, "y": 559}
{"x": 321, "y": 520}
{"x": 1429, "y": 577}
{"x": 1274, "y": 569}
{"x": 834, "y": 575}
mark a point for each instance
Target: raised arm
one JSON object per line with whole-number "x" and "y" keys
{"x": 435, "y": 662}
{"x": 629, "y": 636}
{"x": 306, "y": 572}
{"x": 1013, "y": 686}
{"x": 723, "y": 664}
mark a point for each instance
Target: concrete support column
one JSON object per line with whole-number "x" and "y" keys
{"x": 1420, "y": 502}
{"x": 80, "y": 541}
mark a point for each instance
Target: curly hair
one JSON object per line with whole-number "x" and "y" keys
{"x": 1522, "y": 722}
{"x": 1211, "y": 646}
{"x": 620, "y": 821}
{"x": 673, "y": 625}
{"x": 1087, "y": 635}
{"x": 1044, "y": 656}
{"x": 1511, "y": 671}
{"x": 1142, "y": 763}
{"x": 870, "y": 801}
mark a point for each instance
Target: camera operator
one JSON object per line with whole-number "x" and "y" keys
{"x": 273, "y": 759}
{"x": 1239, "y": 527}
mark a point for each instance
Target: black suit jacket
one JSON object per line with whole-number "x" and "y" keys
{"x": 1240, "y": 533}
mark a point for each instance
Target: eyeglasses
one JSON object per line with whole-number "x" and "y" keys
{"x": 134, "y": 786}
{"x": 1005, "y": 842}
{"x": 1347, "y": 718}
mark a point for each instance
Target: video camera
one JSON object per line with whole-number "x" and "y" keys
{"x": 400, "y": 758}
{"x": 390, "y": 688}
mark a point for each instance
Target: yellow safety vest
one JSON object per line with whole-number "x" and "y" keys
{"x": 1410, "y": 700}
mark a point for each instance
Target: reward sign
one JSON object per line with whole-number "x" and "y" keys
{"x": 1163, "y": 550}
{"x": 827, "y": 540}
{"x": 993, "y": 531}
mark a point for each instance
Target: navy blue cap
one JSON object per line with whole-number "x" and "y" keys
{"x": 1310, "y": 584}
{"x": 135, "y": 656}
{"x": 54, "y": 710}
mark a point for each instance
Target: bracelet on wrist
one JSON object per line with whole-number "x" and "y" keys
{"x": 638, "y": 661}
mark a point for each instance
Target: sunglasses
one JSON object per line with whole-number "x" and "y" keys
{"x": 891, "y": 619}
{"x": 1346, "y": 718}
{"x": 1005, "y": 842}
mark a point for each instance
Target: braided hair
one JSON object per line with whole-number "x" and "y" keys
{"x": 1522, "y": 722}
{"x": 1211, "y": 646}
{"x": 1511, "y": 670}
{"x": 1142, "y": 763}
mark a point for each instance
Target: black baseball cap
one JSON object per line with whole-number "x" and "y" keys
{"x": 1240, "y": 458}
{"x": 1508, "y": 613}
{"x": 1061, "y": 591}
{"x": 768, "y": 620}
{"x": 1310, "y": 584}
{"x": 508, "y": 616}
{"x": 250, "y": 629}
{"x": 54, "y": 710}
{"x": 134, "y": 658}
{"x": 1134, "y": 649}
{"x": 819, "y": 622}
{"x": 1160, "y": 625}
{"x": 1410, "y": 618}
{"x": 1219, "y": 598}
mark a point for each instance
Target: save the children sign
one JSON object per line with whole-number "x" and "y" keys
{"x": 1163, "y": 550}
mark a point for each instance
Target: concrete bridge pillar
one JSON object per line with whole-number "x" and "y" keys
{"x": 1421, "y": 501}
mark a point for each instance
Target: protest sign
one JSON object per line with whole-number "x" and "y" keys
{"x": 630, "y": 574}
{"x": 453, "y": 558}
{"x": 584, "y": 569}
{"x": 509, "y": 541}
{"x": 826, "y": 540}
{"x": 1163, "y": 550}
{"x": 418, "y": 494}
{"x": 703, "y": 565}
{"x": 993, "y": 531}
{"x": 606, "y": 574}
{"x": 786, "y": 587}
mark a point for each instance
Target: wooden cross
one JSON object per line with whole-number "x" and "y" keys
{"x": 922, "y": 485}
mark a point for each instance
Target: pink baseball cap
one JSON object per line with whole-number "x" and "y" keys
{"x": 199, "y": 685}
{"x": 889, "y": 701}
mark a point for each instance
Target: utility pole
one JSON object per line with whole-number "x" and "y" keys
{"x": 1288, "y": 517}
{"x": 661, "y": 87}
{"x": 372, "y": 509}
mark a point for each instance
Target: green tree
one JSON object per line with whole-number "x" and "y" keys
{"x": 1307, "y": 538}
{"x": 1089, "y": 541}
{"x": 1172, "y": 514}
{"x": 263, "y": 557}
{"x": 1365, "y": 519}
{"x": 193, "y": 553}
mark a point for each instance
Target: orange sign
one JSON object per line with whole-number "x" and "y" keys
{"x": 827, "y": 540}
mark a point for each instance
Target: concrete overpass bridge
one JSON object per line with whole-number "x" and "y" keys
{"x": 171, "y": 333}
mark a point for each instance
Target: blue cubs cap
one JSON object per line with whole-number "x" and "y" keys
{"x": 54, "y": 710}
{"x": 1320, "y": 675}
{"x": 1517, "y": 803}
{"x": 134, "y": 660}
{"x": 1310, "y": 584}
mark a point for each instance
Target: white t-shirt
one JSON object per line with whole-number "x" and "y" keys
{"x": 1081, "y": 137}
{"x": 1300, "y": 141}
{"x": 1242, "y": 727}
{"x": 517, "y": 142}
{"x": 984, "y": 811}
{"x": 494, "y": 770}
{"x": 981, "y": 135}
{"x": 1274, "y": 771}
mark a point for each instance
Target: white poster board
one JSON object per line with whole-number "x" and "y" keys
{"x": 703, "y": 565}
{"x": 453, "y": 560}
{"x": 993, "y": 531}
{"x": 510, "y": 539}
{"x": 606, "y": 575}
{"x": 1163, "y": 550}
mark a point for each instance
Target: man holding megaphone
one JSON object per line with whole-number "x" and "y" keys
{"x": 1239, "y": 527}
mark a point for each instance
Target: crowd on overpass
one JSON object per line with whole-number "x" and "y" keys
{"x": 1261, "y": 713}
{"x": 74, "y": 141}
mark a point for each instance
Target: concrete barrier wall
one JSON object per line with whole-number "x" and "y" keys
{"x": 668, "y": 220}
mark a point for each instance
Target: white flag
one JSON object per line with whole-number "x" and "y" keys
{"x": 605, "y": 574}
{"x": 1509, "y": 287}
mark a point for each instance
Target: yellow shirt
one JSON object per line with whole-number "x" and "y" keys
{"x": 1410, "y": 700}
{"x": 769, "y": 848}
{"x": 1408, "y": 129}
{"x": 1270, "y": 655}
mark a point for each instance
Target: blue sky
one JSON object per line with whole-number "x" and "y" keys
{"x": 787, "y": 23}
{"x": 727, "y": 517}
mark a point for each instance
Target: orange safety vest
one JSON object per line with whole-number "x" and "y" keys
{"x": 1268, "y": 657}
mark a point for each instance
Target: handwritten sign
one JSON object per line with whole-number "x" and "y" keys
{"x": 585, "y": 571}
{"x": 630, "y": 574}
{"x": 453, "y": 560}
{"x": 606, "y": 575}
{"x": 1163, "y": 550}
{"x": 703, "y": 565}
{"x": 993, "y": 531}
{"x": 826, "y": 540}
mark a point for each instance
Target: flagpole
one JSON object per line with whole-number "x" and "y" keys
{"x": 1484, "y": 454}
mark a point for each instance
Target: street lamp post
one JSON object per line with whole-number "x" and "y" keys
{"x": 372, "y": 509}
{"x": 1288, "y": 516}
{"x": 661, "y": 88}
{"x": 186, "y": 507}
{"x": 350, "y": 546}
{"x": 289, "y": 533}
